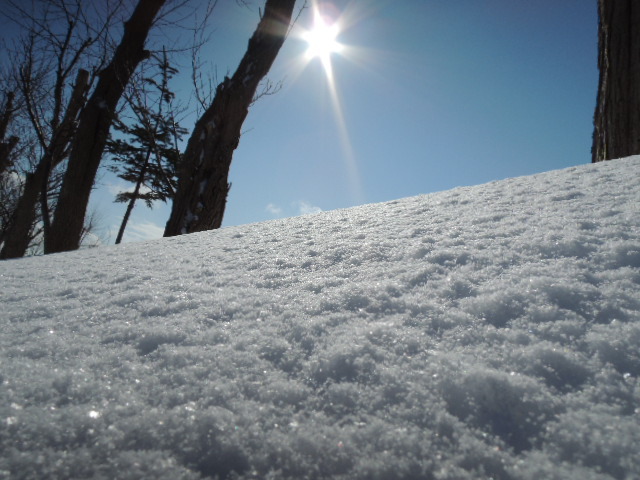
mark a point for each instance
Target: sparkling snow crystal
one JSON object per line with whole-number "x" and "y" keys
{"x": 484, "y": 332}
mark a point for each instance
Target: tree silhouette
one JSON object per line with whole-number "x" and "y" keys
{"x": 203, "y": 186}
{"x": 146, "y": 153}
{"x": 93, "y": 129}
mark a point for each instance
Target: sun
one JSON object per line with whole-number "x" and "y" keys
{"x": 321, "y": 39}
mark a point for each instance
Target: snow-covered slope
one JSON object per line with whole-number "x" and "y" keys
{"x": 484, "y": 332}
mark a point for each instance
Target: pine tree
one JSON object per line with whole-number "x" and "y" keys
{"x": 146, "y": 153}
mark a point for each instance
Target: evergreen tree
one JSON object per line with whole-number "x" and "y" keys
{"x": 146, "y": 153}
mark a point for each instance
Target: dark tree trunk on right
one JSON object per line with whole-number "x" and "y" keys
{"x": 617, "y": 116}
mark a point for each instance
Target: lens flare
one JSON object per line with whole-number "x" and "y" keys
{"x": 321, "y": 39}
{"x": 322, "y": 44}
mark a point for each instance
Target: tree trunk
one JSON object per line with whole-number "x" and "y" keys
{"x": 201, "y": 195}
{"x": 91, "y": 136}
{"x": 127, "y": 214}
{"x": 617, "y": 116}
{"x": 17, "y": 237}
{"x": 36, "y": 185}
{"x": 6, "y": 145}
{"x": 5, "y": 153}
{"x": 134, "y": 196}
{"x": 6, "y": 114}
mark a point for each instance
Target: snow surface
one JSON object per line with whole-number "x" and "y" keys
{"x": 484, "y": 332}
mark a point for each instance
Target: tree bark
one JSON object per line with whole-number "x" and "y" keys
{"x": 5, "y": 153}
{"x": 6, "y": 114}
{"x": 617, "y": 115}
{"x": 6, "y": 146}
{"x": 91, "y": 136}
{"x": 17, "y": 237}
{"x": 201, "y": 195}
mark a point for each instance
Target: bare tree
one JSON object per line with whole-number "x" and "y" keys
{"x": 58, "y": 38}
{"x": 10, "y": 185}
{"x": 37, "y": 182}
{"x": 201, "y": 195}
{"x": 10, "y": 189}
{"x": 617, "y": 116}
{"x": 93, "y": 129}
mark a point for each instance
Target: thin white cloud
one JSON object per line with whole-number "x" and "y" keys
{"x": 305, "y": 208}
{"x": 139, "y": 231}
{"x": 274, "y": 209}
{"x": 115, "y": 188}
{"x": 299, "y": 207}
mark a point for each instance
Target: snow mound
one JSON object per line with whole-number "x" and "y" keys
{"x": 483, "y": 332}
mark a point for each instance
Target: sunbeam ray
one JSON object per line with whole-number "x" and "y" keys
{"x": 322, "y": 43}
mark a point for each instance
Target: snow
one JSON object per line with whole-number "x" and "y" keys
{"x": 482, "y": 332}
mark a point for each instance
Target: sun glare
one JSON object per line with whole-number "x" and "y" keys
{"x": 322, "y": 43}
{"x": 321, "y": 39}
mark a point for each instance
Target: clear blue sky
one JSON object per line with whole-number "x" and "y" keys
{"x": 431, "y": 94}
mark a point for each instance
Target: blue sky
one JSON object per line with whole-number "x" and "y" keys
{"x": 427, "y": 95}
